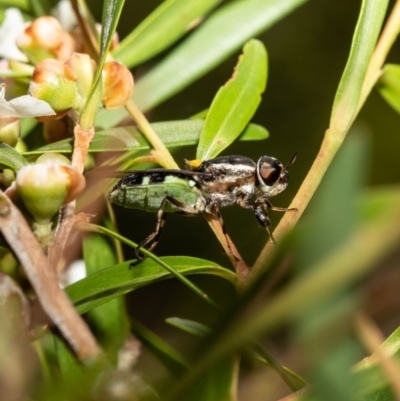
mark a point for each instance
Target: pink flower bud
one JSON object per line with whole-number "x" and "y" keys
{"x": 54, "y": 82}
{"x": 117, "y": 85}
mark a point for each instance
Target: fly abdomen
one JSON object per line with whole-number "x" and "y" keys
{"x": 146, "y": 190}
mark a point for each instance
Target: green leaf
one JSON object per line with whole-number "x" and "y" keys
{"x": 110, "y": 321}
{"x": 294, "y": 381}
{"x": 227, "y": 29}
{"x": 10, "y": 158}
{"x": 111, "y": 13}
{"x": 27, "y": 125}
{"x": 164, "y": 26}
{"x": 40, "y": 7}
{"x": 235, "y": 103}
{"x": 119, "y": 279}
{"x": 190, "y": 326}
{"x": 219, "y": 383}
{"x": 172, "y": 133}
{"x": 389, "y": 85}
{"x": 23, "y": 5}
{"x": 69, "y": 366}
{"x": 171, "y": 359}
{"x": 368, "y": 27}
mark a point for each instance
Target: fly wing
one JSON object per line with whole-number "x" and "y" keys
{"x": 228, "y": 167}
{"x": 111, "y": 173}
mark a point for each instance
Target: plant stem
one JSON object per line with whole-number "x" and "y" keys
{"x": 161, "y": 153}
{"x": 179, "y": 276}
{"x": 333, "y": 139}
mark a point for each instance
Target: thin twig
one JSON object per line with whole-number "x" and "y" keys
{"x": 87, "y": 34}
{"x": 162, "y": 154}
{"x": 67, "y": 214}
{"x": 333, "y": 139}
{"x": 372, "y": 339}
{"x": 329, "y": 147}
{"x": 242, "y": 270}
{"x": 43, "y": 279}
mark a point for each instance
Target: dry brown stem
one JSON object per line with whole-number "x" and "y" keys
{"x": 67, "y": 214}
{"x": 242, "y": 270}
{"x": 43, "y": 279}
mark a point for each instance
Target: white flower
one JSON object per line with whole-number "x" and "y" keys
{"x": 65, "y": 14}
{"x": 75, "y": 272}
{"x": 12, "y": 26}
{"x": 23, "y": 106}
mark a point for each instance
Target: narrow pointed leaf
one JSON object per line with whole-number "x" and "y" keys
{"x": 10, "y": 158}
{"x": 235, "y": 103}
{"x": 190, "y": 326}
{"x": 164, "y": 26}
{"x": 213, "y": 42}
{"x": 294, "y": 381}
{"x": 110, "y": 319}
{"x": 172, "y": 133}
{"x": 219, "y": 383}
{"x": 389, "y": 85}
{"x": 109, "y": 283}
{"x": 111, "y": 13}
{"x": 170, "y": 358}
{"x": 364, "y": 40}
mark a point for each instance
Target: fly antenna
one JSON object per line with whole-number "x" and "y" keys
{"x": 291, "y": 161}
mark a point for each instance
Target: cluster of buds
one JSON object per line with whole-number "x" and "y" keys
{"x": 62, "y": 79}
{"x": 66, "y": 85}
{"x": 62, "y": 76}
{"x": 45, "y": 38}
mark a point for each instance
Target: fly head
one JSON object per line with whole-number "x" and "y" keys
{"x": 272, "y": 176}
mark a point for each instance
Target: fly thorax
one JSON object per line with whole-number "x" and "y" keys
{"x": 201, "y": 203}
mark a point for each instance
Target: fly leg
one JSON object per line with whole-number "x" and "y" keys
{"x": 154, "y": 237}
{"x": 279, "y": 209}
{"x": 260, "y": 210}
{"x": 262, "y": 217}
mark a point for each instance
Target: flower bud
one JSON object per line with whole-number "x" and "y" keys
{"x": 6, "y": 178}
{"x": 10, "y": 129}
{"x": 84, "y": 69}
{"x": 45, "y": 187}
{"x": 53, "y": 157}
{"x": 54, "y": 82}
{"x": 45, "y": 38}
{"x": 117, "y": 85}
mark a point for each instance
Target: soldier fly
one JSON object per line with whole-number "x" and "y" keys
{"x": 205, "y": 187}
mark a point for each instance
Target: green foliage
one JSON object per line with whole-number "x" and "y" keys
{"x": 234, "y": 325}
{"x": 117, "y": 280}
{"x": 389, "y": 85}
{"x": 10, "y": 158}
{"x": 170, "y": 21}
{"x": 172, "y": 133}
{"x": 235, "y": 103}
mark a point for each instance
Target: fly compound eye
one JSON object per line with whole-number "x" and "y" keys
{"x": 269, "y": 171}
